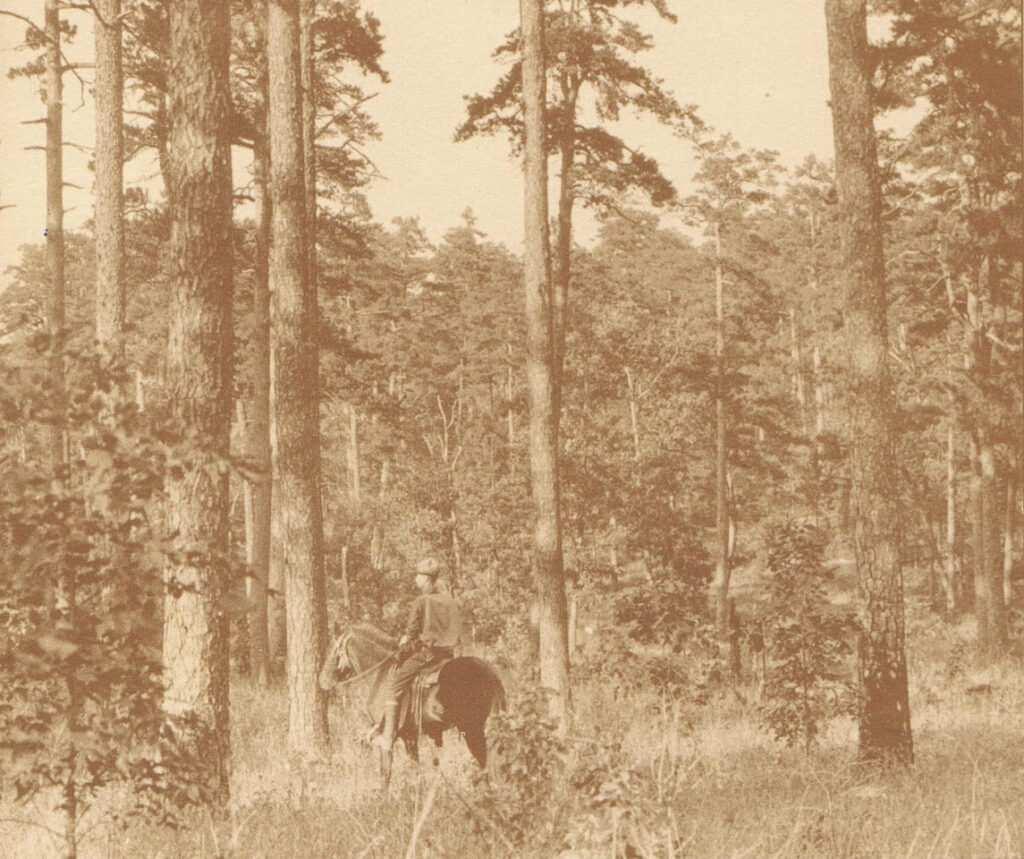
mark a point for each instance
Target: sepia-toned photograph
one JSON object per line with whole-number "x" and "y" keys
{"x": 484, "y": 429}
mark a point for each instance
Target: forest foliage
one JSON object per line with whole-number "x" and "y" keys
{"x": 423, "y": 404}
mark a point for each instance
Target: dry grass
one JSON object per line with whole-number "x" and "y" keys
{"x": 707, "y": 783}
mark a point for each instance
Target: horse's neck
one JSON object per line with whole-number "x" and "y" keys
{"x": 367, "y": 649}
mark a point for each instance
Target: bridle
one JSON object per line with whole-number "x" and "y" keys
{"x": 343, "y": 645}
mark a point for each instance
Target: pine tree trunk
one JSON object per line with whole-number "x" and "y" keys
{"x": 819, "y": 428}
{"x": 510, "y": 415}
{"x": 352, "y": 458}
{"x": 991, "y": 555}
{"x": 1011, "y": 500}
{"x": 989, "y": 606}
{"x": 950, "y": 579}
{"x": 109, "y": 194}
{"x": 56, "y": 315}
{"x": 259, "y": 426}
{"x": 377, "y": 533}
{"x": 722, "y": 571}
{"x": 295, "y": 350}
{"x": 195, "y": 643}
{"x": 885, "y": 733}
{"x": 634, "y": 421}
{"x": 540, "y": 371}
{"x": 561, "y": 270}
{"x": 796, "y": 356}
{"x": 307, "y": 12}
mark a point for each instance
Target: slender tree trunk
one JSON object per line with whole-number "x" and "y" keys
{"x": 259, "y": 425}
{"x": 722, "y": 571}
{"x": 989, "y": 606}
{"x": 951, "y": 578}
{"x": 109, "y": 193}
{"x": 634, "y": 421}
{"x": 540, "y": 372}
{"x": 195, "y": 644}
{"x": 295, "y": 351}
{"x": 56, "y": 320}
{"x": 377, "y": 533}
{"x": 819, "y": 428}
{"x": 979, "y": 581}
{"x": 561, "y": 270}
{"x": 63, "y": 597}
{"x": 1011, "y": 500}
{"x": 352, "y": 459}
{"x": 796, "y": 356}
{"x": 510, "y": 415}
{"x": 885, "y": 733}
{"x": 991, "y": 555}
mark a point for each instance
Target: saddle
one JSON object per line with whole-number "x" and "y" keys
{"x": 423, "y": 702}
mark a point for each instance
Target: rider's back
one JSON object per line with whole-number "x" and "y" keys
{"x": 442, "y": 620}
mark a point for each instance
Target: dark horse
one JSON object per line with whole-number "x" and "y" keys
{"x": 463, "y": 695}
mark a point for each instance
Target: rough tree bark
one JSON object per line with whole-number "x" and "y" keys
{"x": 885, "y": 734}
{"x": 259, "y": 425}
{"x": 195, "y": 642}
{"x": 540, "y": 368}
{"x": 307, "y": 13}
{"x": 296, "y": 399}
{"x": 109, "y": 193}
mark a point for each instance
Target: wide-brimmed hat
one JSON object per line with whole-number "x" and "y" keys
{"x": 427, "y": 567}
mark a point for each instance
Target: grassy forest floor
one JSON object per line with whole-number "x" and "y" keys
{"x": 643, "y": 777}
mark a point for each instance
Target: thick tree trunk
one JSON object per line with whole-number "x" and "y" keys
{"x": 195, "y": 643}
{"x": 885, "y": 733}
{"x": 259, "y": 425}
{"x": 540, "y": 367}
{"x": 295, "y": 350}
{"x": 56, "y": 321}
{"x": 307, "y": 13}
{"x": 109, "y": 193}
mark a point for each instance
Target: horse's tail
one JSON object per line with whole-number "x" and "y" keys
{"x": 499, "y": 703}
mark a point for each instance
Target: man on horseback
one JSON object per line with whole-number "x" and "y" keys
{"x": 431, "y": 632}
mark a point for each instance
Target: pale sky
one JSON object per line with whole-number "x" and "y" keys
{"x": 757, "y": 69}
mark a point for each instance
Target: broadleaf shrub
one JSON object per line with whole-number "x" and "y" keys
{"x": 81, "y": 573}
{"x": 523, "y": 788}
{"x": 807, "y": 676}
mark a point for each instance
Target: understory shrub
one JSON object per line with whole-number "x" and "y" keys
{"x": 807, "y": 678}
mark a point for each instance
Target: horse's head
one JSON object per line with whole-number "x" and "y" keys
{"x": 337, "y": 666}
